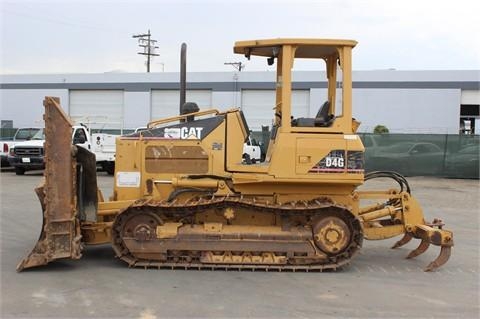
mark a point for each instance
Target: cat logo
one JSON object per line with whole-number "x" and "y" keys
{"x": 184, "y": 132}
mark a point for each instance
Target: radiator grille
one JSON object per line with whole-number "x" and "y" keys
{"x": 28, "y": 151}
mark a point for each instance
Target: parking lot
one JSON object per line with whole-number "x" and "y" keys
{"x": 379, "y": 283}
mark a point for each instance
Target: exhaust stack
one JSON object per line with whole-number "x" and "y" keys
{"x": 183, "y": 76}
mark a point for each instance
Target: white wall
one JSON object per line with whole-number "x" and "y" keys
{"x": 423, "y": 110}
{"x": 226, "y": 100}
{"x": 408, "y": 110}
{"x": 471, "y": 97}
{"x": 317, "y": 98}
{"x": 25, "y": 107}
{"x": 136, "y": 109}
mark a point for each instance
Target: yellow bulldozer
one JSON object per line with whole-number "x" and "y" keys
{"x": 184, "y": 197}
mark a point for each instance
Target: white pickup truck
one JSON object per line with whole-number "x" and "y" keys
{"x": 29, "y": 155}
{"x": 103, "y": 145}
{"x": 252, "y": 153}
{"x": 22, "y": 134}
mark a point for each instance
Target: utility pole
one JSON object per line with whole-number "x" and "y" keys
{"x": 148, "y": 46}
{"x": 237, "y": 65}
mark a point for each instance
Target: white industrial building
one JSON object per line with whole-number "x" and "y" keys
{"x": 404, "y": 101}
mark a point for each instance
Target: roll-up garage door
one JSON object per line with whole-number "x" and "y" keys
{"x": 99, "y": 108}
{"x": 165, "y": 103}
{"x": 257, "y": 105}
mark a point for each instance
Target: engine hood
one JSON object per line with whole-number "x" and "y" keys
{"x": 31, "y": 143}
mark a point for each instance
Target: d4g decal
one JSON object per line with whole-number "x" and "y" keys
{"x": 337, "y": 162}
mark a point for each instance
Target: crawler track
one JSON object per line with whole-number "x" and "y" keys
{"x": 280, "y": 237}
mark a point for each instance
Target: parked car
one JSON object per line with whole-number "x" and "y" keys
{"x": 464, "y": 163}
{"x": 371, "y": 148}
{"x": 408, "y": 158}
{"x": 28, "y": 155}
{"x": 22, "y": 134}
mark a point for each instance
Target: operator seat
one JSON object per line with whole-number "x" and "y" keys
{"x": 322, "y": 119}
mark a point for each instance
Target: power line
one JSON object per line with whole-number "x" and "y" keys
{"x": 237, "y": 65}
{"x": 148, "y": 46}
{"x": 76, "y": 24}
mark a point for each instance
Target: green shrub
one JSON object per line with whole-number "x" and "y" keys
{"x": 380, "y": 129}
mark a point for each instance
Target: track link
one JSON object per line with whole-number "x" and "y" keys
{"x": 138, "y": 224}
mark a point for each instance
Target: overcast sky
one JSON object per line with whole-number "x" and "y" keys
{"x": 87, "y": 36}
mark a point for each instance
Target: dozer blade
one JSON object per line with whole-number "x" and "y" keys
{"x": 60, "y": 236}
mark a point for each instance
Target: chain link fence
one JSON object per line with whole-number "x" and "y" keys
{"x": 455, "y": 156}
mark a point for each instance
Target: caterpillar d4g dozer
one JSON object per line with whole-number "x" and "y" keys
{"x": 184, "y": 198}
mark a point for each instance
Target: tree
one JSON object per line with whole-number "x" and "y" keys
{"x": 380, "y": 129}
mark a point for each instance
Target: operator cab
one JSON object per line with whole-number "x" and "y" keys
{"x": 322, "y": 140}
{"x": 332, "y": 115}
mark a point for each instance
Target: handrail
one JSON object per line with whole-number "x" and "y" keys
{"x": 180, "y": 117}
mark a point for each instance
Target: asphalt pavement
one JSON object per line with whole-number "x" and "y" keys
{"x": 379, "y": 282}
